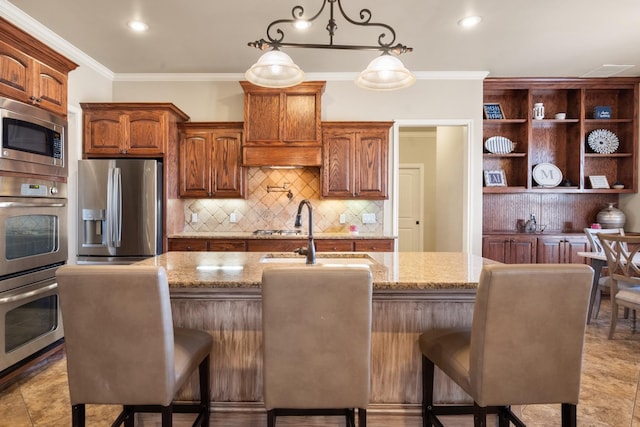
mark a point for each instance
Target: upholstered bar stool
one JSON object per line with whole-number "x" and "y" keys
{"x": 524, "y": 345}
{"x": 122, "y": 348}
{"x": 316, "y": 325}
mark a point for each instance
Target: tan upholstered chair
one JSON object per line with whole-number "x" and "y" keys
{"x": 596, "y": 246}
{"x": 623, "y": 261}
{"x": 316, "y": 325}
{"x": 122, "y": 348}
{"x": 524, "y": 345}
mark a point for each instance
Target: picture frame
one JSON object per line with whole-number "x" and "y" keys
{"x": 495, "y": 178}
{"x": 598, "y": 181}
{"x": 493, "y": 111}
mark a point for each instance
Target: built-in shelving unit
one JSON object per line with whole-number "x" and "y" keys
{"x": 563, "y": 143}
{"x": 566, "y": 208}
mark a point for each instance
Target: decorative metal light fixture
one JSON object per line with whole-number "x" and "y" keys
{"x": 277, "y": 69}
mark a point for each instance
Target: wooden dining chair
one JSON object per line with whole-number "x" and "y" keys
{"x": 623, "y": 262}
{"x": 596, "y": 246}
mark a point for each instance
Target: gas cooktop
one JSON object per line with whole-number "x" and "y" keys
{"x": 277, "y": 232}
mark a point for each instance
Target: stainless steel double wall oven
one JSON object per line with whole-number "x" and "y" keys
{"x": 33, "y": 230}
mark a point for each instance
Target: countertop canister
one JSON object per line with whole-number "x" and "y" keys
{"x": 611, "y": 217}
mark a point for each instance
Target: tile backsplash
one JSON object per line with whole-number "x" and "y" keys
{"x": 268, "y": 206}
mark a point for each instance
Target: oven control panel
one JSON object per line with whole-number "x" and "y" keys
{"x": 34, "y": 190}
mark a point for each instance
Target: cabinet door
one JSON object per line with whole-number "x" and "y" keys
{"x": 15, "y": 73}
{"x": 275, "y": 245}
{"x": 338, "y": 179}
{"x": 231, "y": 245}
{"x": 522, "y": 250}
{"x": 226, "y": 171}
{"x": 510, "y": 249}
{"x": 496, "y": 248}
{"x": 104, "y": 132}
{"x": 371, "y": 149}
{"x": 195, "y": 165}
{"x": 300, "y": 118}
{"x": 147, "y": 132}
{"x": 262, "y": 116}
{"x": 550, "y": 250}
{"x": 373, "y": 245}
{"x": 187, "y": 244}
{"x": 334, "y": 245}
{"x": 562, "y": 249}
{"x": 573, "y": 245}
{"x": 50, "y": 88}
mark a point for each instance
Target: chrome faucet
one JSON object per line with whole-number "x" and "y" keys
{"x": 310, "y": 250}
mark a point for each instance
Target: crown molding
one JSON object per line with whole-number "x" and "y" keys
{"x": 234, "y": 77}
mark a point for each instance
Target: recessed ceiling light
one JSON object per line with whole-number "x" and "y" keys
{"x": 470, "y": 21}
{"x": 138, "y": 26}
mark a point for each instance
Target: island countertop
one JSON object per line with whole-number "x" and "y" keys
{"x": 391, "y": 270}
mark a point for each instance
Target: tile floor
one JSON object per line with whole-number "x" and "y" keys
{"x": 609, "y": 393}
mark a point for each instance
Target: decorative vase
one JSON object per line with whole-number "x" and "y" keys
{"x": 611, "y": 217}
{"x": 538, "y": 111}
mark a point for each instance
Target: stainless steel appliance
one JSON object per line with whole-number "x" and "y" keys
{"x": 33, "y": 244}
{"x": 32, "y": 140}
{"x": 33, "y": 224}
{"x": 119, "y": 210}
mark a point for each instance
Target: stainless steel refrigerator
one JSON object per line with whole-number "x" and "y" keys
{"x": 119, "y": 210}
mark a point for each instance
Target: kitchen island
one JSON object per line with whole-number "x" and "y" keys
{"x": 220, "y": 292}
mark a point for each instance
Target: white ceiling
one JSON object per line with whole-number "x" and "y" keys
{"x": 533, "y": 38}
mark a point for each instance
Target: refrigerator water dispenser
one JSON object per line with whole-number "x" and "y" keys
{"x": 94, "y": 224}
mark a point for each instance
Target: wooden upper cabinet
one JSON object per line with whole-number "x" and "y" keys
{"x": 282, "y": 127}
{"x": 210, "y": 160}
{"x": 31, "y": 72}
{"x": 355, "y": 159}
{"x": 129, "y": 129}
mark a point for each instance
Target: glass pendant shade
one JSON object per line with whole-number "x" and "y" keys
{"x": 275, "y": 69}
{"x": 385, "y": 72}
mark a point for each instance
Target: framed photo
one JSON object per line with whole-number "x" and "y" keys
{"x": 598, "y": 181}
{"x": 493, "y": 110}
{"x": 495, "y": 178}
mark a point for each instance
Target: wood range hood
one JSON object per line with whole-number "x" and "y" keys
{"x": 282, "y": 126}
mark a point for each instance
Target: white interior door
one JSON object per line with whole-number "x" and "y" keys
{"x": 410, "y": 207}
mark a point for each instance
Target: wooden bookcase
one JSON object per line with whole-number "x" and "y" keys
{"x": 563, "y": 143}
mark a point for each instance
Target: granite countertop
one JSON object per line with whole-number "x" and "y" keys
{"x": 250, "y": 235}
{"x": 391, "y": 270}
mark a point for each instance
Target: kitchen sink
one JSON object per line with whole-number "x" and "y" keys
{"x": 346, "y": 259}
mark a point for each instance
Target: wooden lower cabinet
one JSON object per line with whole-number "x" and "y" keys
{"x": 510, "y": 249}
{"x": 562, "y": 249}
{"x": 527, "y": 249}
{"x": 187, "y": 245}
{"x": 280, "y": 245}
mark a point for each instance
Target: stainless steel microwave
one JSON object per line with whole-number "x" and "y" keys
{"x": 33, "y": 140}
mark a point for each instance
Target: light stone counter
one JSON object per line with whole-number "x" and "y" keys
{"x": 399, "y": 271}
{"x": 220, "y": 292}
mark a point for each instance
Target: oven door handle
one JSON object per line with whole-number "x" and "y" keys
{"x": 31, "y": 205}
{"x": 28, "y": 294}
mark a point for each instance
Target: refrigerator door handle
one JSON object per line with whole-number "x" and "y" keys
{"x": 114, "y": 210}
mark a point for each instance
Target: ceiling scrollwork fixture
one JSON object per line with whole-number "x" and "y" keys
{"x": 276, "y": 69}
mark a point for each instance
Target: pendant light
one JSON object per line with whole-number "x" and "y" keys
{"x": 276, "y": 69}
{"x": 385, "y": 72}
